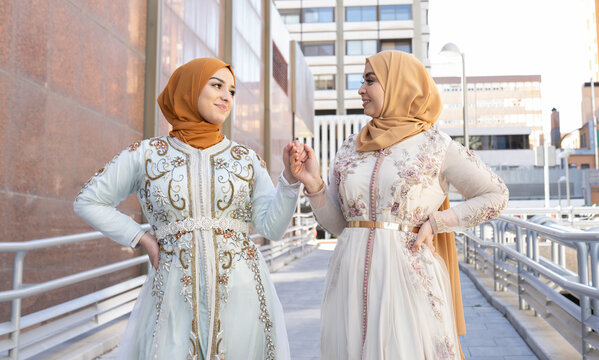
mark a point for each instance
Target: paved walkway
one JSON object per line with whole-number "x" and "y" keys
{"x": 300, "y": 287}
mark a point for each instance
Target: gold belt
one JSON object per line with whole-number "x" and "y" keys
{"x": 383, "y": 225}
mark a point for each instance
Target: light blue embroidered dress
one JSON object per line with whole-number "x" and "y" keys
{"x": 212, "y": 296}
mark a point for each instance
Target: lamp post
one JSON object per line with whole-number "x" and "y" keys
{"x": 452, "y": 49}
{"x": 565, "y": 155}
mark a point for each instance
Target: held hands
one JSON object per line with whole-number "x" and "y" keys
{"x": 294, "y": 151}
{"x": 304, "y": 167}
{"x": 149, "y": 242}
{"x": 425, "y": 235}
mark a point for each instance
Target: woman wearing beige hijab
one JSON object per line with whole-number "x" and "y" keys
{"x": 208, "y": 294}
{"x": 386, "y": 295}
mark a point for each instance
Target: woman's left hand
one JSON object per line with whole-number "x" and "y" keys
{"x": 425, "y": 235}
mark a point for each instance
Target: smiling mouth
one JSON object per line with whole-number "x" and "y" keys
{"x": 365, "y": 102}
{"x": 222, "y": 107}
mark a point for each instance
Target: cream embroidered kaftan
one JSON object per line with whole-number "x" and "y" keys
{"x": 383, "y": 301}
{"x": 212, "y": 296}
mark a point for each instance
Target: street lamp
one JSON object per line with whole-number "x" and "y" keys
{"x": 452, "y": 49}
{"x": 565, "y": 155}
{"x": 559, "y": 193}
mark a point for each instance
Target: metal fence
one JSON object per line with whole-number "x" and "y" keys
{"x": 25, "y": 336}
{"x": 507, "y": 249}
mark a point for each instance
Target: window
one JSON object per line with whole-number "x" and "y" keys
{"x": 395, "y": 12}
{"x": 496, "y": 142}
{"x": 324, "y": 82}
{"x": 325, "y": 112}
{"x": 354, "y": 81}
{"x": 317, "y": 15}
{"x": 290, "y": 16}
{"x": 354, "y": 111}
{"x": 360, "y": 13}
{"x": 318, "y": 48}
{"x": 360, "y": 47}
{"x": 403, "y": 45}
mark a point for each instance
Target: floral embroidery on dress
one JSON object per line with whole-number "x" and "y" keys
{"x": 418, "y": 262}
{"x": 178, "y": 161}
{"x": 159, "y": 197}
{"x": 494, "y": 208}
{"x": 356, "y": 208}
{"x": 220, "y": 163}
{"x": 160, "y": 145}
{"x": 445, "y": 349}
{"x": 347, "y": 160}
{"x": 134, "y": 146}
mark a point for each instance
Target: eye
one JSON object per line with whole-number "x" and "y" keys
{"x": 232, "y": 92}
{"x": 369, "y": 81}
{"x": 217, "y": 85}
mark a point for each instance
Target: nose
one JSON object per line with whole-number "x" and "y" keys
{"x": 226, "y": 95}
{"x": 362, "y": 89}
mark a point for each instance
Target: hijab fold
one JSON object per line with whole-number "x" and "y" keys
{"x": 412, "y": 104}
{"x": 179, "y": 103}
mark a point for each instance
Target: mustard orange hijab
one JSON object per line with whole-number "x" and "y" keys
{"x": 412, "y": 104}
{"x": 179, "y": 103}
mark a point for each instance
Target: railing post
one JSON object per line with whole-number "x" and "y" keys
{"x": 594, "y": 247}
{"x": 521, "y": 301}
{"x": 15, "y": 311}
{"x": 585, "y": 306}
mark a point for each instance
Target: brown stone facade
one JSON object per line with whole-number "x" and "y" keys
{"x": 72, "y": 85}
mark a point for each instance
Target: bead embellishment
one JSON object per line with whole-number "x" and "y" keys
{"x": 203, "y": 223}
{"x": 373, "y": 190}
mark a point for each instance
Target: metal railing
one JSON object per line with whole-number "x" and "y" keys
{"x": 24, "y": 336}
{"x": 508, "y": 250}
{"x": 579, "y": 217}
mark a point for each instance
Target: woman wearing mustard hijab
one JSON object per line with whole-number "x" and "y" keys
{"x": 208, "y": 294}
{"x": 386, "y": 296}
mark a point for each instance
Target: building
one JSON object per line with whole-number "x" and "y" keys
{"x": 79, "y": 83}
{"x": 336, "y": 36}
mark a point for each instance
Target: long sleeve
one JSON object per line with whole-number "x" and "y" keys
{"x": 326, "y": 207}
{"x": 97, "y": 201}
{"x": 272, "y": 208}
{"x": 486, "y": 194}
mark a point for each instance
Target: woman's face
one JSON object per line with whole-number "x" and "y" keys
{"x": 372, "y": 93}
{"x": 216, "y": 99}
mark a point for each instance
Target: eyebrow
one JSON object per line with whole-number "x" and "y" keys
{"x": 215, "y": 78}
{"x": 369, "y": 73}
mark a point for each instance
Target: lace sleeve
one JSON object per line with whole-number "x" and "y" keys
{"x": 486, "y": 194}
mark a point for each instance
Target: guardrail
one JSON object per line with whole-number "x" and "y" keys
{"x": 580, "y": 217}
{"x": 58, "y": 324}
{"x": 507, "y": 249}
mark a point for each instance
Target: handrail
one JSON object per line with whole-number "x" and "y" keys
{"x": 555, "y": 277}
{"x": 54, "y": 241}
{"x": 564, "y": 235}
{"x": 296, "y": 237}
{"x": 36, "y": 289}
{"x": 511, "y": 252}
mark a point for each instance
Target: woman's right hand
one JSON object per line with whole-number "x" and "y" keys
{"x": 149, "y": 242}
{"x": 308, "y": 170}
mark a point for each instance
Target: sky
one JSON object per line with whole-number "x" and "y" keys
{"x": 518, "y": 37}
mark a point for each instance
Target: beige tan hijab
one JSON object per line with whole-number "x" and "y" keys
{"x": 412, "y": 103}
